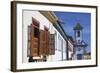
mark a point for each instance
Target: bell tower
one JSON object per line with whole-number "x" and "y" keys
{"x": 79, "y": 44}
{"x": 78, "y": 33}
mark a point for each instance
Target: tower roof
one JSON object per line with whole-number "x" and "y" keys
{"x": 78, "y": 27}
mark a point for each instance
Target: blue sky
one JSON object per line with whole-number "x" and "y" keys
{"x": 70, "y": 19}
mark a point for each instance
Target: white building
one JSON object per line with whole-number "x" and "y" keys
{"x": 49, "y": 20}
{"x": 70, "y": 48}
{"x": 79, "y": 44}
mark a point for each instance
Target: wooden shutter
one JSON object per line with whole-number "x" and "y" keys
{"x": 34, "y": 38}
{"x": 52, "y": 44}
{"x": 42, "y": 43}
{"x": 33, "y": 43}
{"x": 47, "y": 39}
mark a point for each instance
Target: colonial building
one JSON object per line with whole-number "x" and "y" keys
{"x": 79, "y": 44}
{"x": 45, "y": 38}
{"x": 70, "y": 48}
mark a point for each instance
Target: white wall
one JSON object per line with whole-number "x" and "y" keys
{"x": 5, "y": 38}
{"x": 27, "y": 20}
{"x": 58, "y": 54}
{"x": 70, "y": 52}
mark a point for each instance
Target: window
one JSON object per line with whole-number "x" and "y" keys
{"x": 78, "y": 34}
{"x": 44, "y": 41}
{"x": 47, "y": 40}
{"x": 78, "y": 49}
{"x": 64, "y": 46}
{"x": 35, "y": 43}
{"x": 33, "y": 38}
{"x": 52, "y": 44}
{"x": 78, "y": 41}
{"x": 55, "y": 40}
{"x": 36, "y": 32}
{"x": 59, "y": 43}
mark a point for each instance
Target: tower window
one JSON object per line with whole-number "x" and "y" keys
{"x": 78, "y": 41}
{"x": 78, "y": 34}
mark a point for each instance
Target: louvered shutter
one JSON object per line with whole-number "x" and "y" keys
{"x": 47, "y": 39}
{"x": 34, "y": 43}
{"x": 52, "y": 44}
{"x": 42, "y": 43}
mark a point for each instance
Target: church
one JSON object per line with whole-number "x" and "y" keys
{"x": 79, "y": 44}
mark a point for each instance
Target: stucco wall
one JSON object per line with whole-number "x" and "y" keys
{"x": 58, "y": 46}
{"x": 27, "y": 20}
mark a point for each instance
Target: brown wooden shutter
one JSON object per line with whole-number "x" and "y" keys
{"x": 34, "y": 38}
{"x": 42, "y": 43}
{"x": 34, "y": 48}
{"x": 52, "y": 44}
{"x": 47, "y": 39}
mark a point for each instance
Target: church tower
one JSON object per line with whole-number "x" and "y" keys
{"x": 78, "y": 33}
{"x": 79, "y": 44}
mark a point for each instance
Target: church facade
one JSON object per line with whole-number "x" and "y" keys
{"x": 79, "y": 43}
